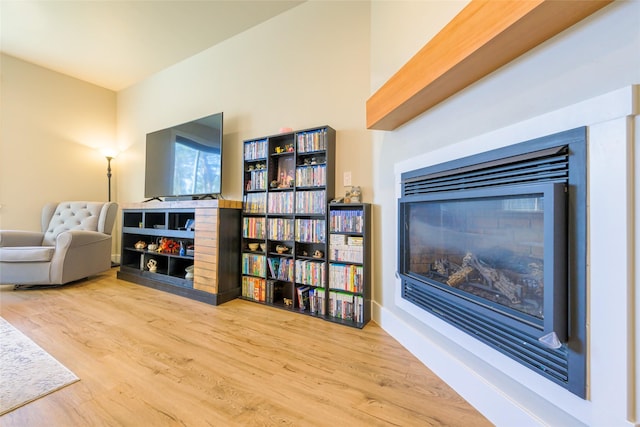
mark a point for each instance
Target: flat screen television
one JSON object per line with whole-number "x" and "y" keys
{"x": 185, "y": 161}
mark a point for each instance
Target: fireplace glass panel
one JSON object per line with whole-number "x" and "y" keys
{"x": 488, "y": 249}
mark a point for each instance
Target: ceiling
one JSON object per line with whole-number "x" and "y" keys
{"x": 115, "y": 43}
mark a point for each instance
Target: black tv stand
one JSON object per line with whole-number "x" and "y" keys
{"x": 152, "y": 199}
{"x": 215, "y": 256}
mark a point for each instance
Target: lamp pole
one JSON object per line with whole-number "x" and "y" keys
{"x": 109, "y": 158}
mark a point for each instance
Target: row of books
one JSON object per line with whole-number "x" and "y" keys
{"x": 253, "y": 264}
{"x": 262, "y": 290}
{"x": 280, "y": 229}
{"x": 346, "y": 306}
{"x": 311, "y": 176}
{"x": 315, "y": 140}
{"x": 311, "y": 202}
{"x": 255, "y": 203}
{"x": 346, "y": 248}
{"x": 346, "y": 277}
{"x": 310, "y": 272}
{"x": 253, "y": 288}
{"x": 311, "y": 230}
{"x": 344, "y": 221}
{"x": 303, "y": 230}
{"x": 306, "y": 202}
{"x": 281, "y": 268}
{"x": 253, "y": 228}
{"x": 341, "y": 305}
{"x": 311, "y": 299}
{"x": 257, "y": 180}
{"x": 255, "y": 150}
{"x": 343, "y": 239}
{"x": 346, "y": 253}
{"x": 280, "y": 203}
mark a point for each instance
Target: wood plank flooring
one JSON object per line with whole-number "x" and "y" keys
{"x": 149, "y": 358}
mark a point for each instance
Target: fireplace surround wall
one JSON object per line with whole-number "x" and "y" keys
{"x": 495, "y": 244}
{"x": 504, "y": 390}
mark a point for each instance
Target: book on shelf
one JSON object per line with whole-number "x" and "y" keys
{"x": 281, "y": 203}
{"x": 253, "y": 227}
{"x": 346, "y": 221}
{"x": 251, "y": 287}
{"x": 303, "y": 298}
{"x": 256, "y": 293}
{"x": 285, "y": 269}
{"x": 274, "y": 291}
{"x": 355, "y": 240}
{"x": 346, "y": 248}
{"x": 310, "y": 230}
{"x": 255, "y": 150}
{"x": 346, "y": 306}
{"x": 317, "y": 301}
{"x": 257, "y": 180}
{"x": 255, "y": 203}
{"x": 310, "y": 202}
{"x": 315, "y": 140}
{"x": 311, "y": 175}
{"x": 346, "y": 277}
{"x": 274, "y": 263}
{"x": 253, "y": 264}
{"x": 309, "y": 272}
{"x": 280, "y": 229}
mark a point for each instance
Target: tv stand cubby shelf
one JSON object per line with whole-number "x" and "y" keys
{"x": 197, "y": 229}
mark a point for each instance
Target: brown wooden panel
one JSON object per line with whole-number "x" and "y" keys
{"x": 483, "y": 37}
{"x": 208, "y": 237}
{"x": 205, "y": 259}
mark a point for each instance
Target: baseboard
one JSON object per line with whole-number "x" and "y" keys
{"x": 499, "y": 398}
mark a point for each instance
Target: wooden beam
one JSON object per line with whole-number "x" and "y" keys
{"x": 483, "y": 37}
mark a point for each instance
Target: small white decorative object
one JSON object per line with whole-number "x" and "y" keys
{"x": 355, "y": 194}
{"x": 152, "y": 265}
{"x": 189, "y": 275}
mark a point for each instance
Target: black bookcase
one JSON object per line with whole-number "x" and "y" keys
{"x": 349, "y": 258}
{"x": 197, "y": 229}
{"x": 288, "y": 180}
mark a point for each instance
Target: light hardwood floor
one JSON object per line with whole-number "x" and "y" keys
{"x": 149, "y": 358}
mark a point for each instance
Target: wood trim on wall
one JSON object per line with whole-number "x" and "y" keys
{"x": 483, "y": 37}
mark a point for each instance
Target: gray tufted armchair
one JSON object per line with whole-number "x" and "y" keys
{"x": 75, "y": 243}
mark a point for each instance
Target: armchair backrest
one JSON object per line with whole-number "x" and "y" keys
{"x": 88, "y": 216}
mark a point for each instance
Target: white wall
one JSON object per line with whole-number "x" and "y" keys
{"x": 307, "y": 67}
{"x": 51, "y": 127}
{"x": 596, "y": 56}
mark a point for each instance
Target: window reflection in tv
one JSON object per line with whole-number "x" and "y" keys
{"x": 197, "y": 168}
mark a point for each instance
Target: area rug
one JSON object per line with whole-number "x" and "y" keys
{"x": 27, "y": 372}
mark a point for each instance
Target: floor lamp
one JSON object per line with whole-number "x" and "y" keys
{"x": 109, "y": 158}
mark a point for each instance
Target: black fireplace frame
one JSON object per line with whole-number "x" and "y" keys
{"x": 554, "y": 161}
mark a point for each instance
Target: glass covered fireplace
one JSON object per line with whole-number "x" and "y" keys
{"x": 502, "y": 249}
{"x": 495, "y": 245}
